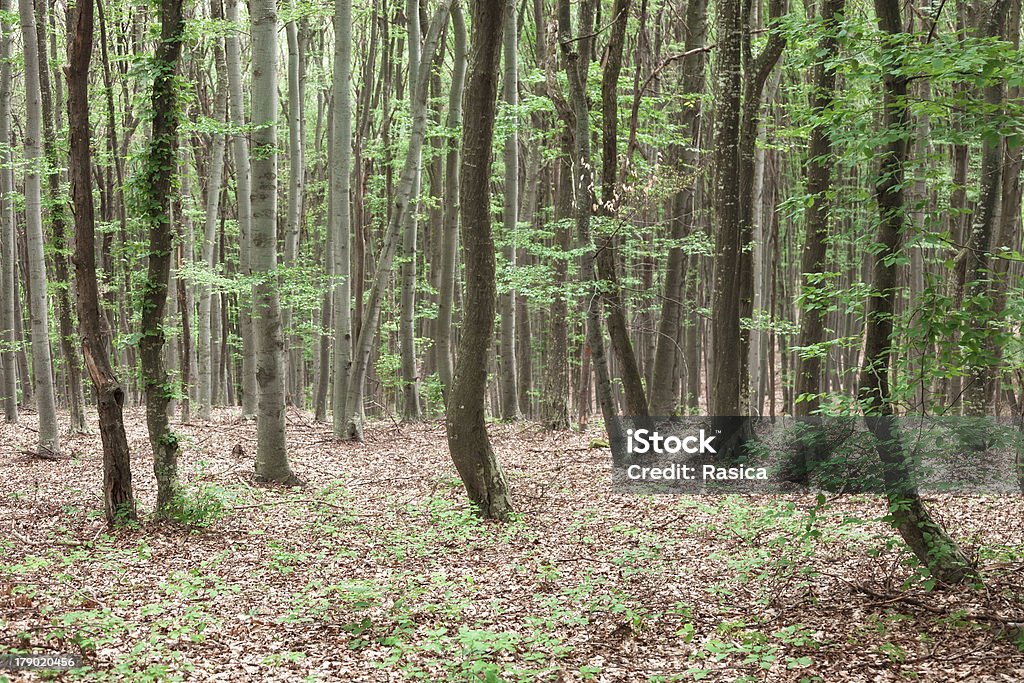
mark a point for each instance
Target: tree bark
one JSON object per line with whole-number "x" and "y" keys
{"x": 908, "y": 513}
{"x": 118, "y": 500}
{"x": 467, "y": 431}
{"x": 663, "y": 398}
{"x": 403, "y": 196}
{"x": 450, "y": 238}
{"x": 42, "y": 366}
{"x": 156, "y": 183}
{"x": 208, "y": 249}
{"x": 271, "y": 448}
{"x": 411, "y": 409}
{"x": 507, "y": 361}
{"x": 340, "y": 178}
{"x": 243, "y": 188}
{"x": 57, "y": 234}
{"x": 8, "y": 251}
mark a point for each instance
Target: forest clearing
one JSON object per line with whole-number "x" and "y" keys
{"x": 378, "y": 570}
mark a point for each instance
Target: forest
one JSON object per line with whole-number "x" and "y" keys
{"x": 339, "y": 341}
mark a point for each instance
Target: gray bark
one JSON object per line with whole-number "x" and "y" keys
{"x": 42, "y": 367}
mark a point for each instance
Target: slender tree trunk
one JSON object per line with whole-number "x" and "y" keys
{"x": 606, "y": 257}
{"x": 208, "y": 250}
{"x": 340, "y": 174}
{"x": 57, "y": 233}
{"x": 407, "y": 313}
{"x": 450, "y": 239}
{"x": 507, "y": 376}
{"x": 576, "y": 54}
{"x": 663, "y": 399}
{"x": 156, "y": 186}
{"x": 118, "y": 501}
{"x": 403, "y": 196}
{"x": 467, "y": 431}
{"x": 42, "y": 367}
{"x": 926, "y": 537}
{"x": 724, "y": 393}
{"x": 8, "y": 251}
{"x": 240, "y": 149}
{"x": 556, "y": 370}
{"x": 296, "y": 185}
{"x": 271, "y": 448}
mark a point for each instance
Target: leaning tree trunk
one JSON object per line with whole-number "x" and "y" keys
{"x": 156, "y": 185}
{"x": 240, "y": 149}
{"x": 341, "y": 215}
{"x": 271, "y": 449}
{"x": 8, "y": 301}
{"x": 450, "y": 224}
{"x": 403, "y": 196}
{"x": 467, "y": 431}
{"x": 208, "y": 249}
{"x": 926, "y": 537}
{"x": 42, "y": 367}
{"x": 118, "y": 501}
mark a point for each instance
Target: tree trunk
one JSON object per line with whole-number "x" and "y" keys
{"x": 271, "y": 449}
{"x": 296, "y": 186}
{"x": 663, "y": 399}
{"x": 8, "y": 252}
{"x": 156, "y": 184}
{"x": 450, "y": 239}
{"x": 118, "y": 501}
{"x": 403, "y": 195}
{"x": 240, "y": 149}
{"x": 607, "y": 260}
{"x": 724, "y": 393}
{"x": 42, "y": 367}
{"x": 556, "y": 370}
{"x": 208, "y": 249}
{"x": 577, "y": 58}
{"x": 507, "y": 375}
{"x": 407, "y": 309}
{"x": 340, "y": 175}
{"x": 467, "y": 431}
{"x": 926, "y": 537}
{"x": 57, "y": 234}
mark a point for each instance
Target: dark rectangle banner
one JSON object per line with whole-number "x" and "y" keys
{"x": 707, "y": 454}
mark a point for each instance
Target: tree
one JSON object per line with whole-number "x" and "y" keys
{"x": 468, "y": 442}
{"x": 42, "y": 367}
{"x": 927, "y": 539}
{"x": 724, "y": 393}
{"x": 209, "y": 244}
{"x": 663, "y": 399}
{"x": 156, "y": 184}
{"x": 576, "y": 54}
{"x": 271, "y": 450}
{"x": 402, "y": 198}
{"x": 450, "y": 225}
{"x": 340, "y": 175}
{"x": 507, "y": 361}
{"x": 407, "y": 314}
{"x": 240, "y": 151}
{"x": 118, "y": 500}
{"x": 8, "y": 302}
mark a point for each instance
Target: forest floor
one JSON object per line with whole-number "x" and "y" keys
{"x": 377, "y": 571}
